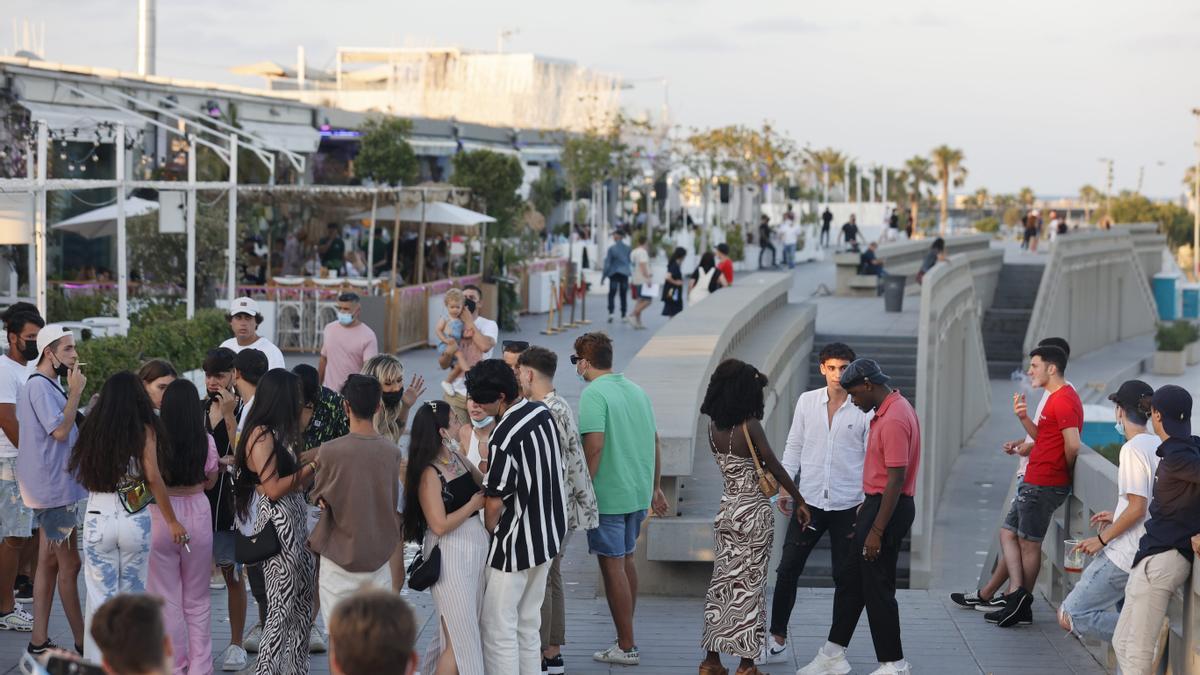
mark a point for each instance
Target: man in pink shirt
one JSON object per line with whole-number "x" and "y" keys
{"x": 348, "y": 344}
{"x": 889, "y": 481}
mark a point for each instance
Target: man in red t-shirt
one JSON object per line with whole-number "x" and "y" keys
{"x": 868, "y": 579}
{"x": 724, "y": 263}
{"x": 1047, "y": 480}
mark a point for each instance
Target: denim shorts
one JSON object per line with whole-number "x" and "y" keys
{"x": 223, "y": 548}
{"x": 616, "y": 536}
{"x": 1033, "y": 509}
{"x": 16, "y": 519}
{"x": 60, "y": 522}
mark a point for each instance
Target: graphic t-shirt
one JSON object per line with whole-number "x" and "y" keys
{"x": 1048, "y": 459}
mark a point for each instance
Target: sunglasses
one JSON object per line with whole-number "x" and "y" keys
{"x": 514, "y": 345}
{"x": 575, "y": 359}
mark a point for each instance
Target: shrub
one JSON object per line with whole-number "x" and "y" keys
{"x": 1173, "y": 337}
{"x": 182, "y": 342}
{"x": 737, "y": 243}
{"x": 987, "y": 225}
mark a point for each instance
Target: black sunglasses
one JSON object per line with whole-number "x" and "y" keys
{"x": 514, "y": 345}
{"x": 575, "y": 359}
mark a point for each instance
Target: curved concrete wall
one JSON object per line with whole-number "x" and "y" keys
{"x": 1094, "y": 293}
{"x": 953, "y": 393}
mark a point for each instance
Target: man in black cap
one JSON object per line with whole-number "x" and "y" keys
{"x": 1164, "y": 557}
{"x": 889, "y": 483}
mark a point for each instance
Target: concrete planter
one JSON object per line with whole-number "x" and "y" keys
{"x": 1169, "y": 363}
{"x": 1193, "y": 353}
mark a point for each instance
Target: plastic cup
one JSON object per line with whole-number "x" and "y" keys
{"x": 1073, "y": 559}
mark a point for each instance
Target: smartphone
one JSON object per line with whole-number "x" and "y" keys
{"x": 469, "y": 304}
{"x": 60, "y": 665}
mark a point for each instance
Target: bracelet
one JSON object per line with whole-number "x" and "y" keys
{"x": 876, "y": 530}
{"x": 1101, "y": 540}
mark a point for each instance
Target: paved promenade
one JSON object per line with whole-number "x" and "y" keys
{"x": 939, "y": 637}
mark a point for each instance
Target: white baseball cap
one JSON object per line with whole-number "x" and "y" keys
{"x": 244, "y": 306}
{"x": 49, "y": 335}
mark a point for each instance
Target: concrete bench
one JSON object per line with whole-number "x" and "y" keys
{"x": 901, "y": 258}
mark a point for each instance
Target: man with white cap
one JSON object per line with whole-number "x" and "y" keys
{"x": 47, "y": 416}
{"x": 244, "y": 320}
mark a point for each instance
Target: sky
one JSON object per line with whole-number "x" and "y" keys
{"x": 1034, "y": 92}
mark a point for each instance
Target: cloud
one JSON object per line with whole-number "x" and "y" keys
{"x": 781, "y": 24}
{"x": 696, "y": 42}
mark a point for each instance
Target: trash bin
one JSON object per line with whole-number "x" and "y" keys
{"x": 1164, "y": 286}
{"x": 1191, "y": 301}
{"x": 893, "y": 293}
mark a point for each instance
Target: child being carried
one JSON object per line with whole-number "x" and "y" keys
{"x": 456, "y": 339}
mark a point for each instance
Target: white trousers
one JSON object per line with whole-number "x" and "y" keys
{"x": 1147, "y": 593}
{"x": 512, "y": 621}
{"x": 336, "y": 584}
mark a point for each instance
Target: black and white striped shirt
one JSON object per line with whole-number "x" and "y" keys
{"x": 526, "y": 472}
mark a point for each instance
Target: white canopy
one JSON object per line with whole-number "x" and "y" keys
{"x": 81, "y": 123}
{"x": 436, "y": 213}
{"x": 102, "y": 222}
{"x": 295, "y": 137}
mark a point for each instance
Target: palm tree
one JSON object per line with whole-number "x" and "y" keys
{"x": 948, "y": 163}
{"x": 814, "y": 162}
{"x": 1189, "y": 178}
{"x": 1027, "y": 197}
{"x": 1089, "y": 195}
{"x": 919, "y": 171}
{"x": 982, "y": 198}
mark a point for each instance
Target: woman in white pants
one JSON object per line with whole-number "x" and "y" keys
{"x": 118, "y": 450}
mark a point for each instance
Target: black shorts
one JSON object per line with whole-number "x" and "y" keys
{"x": 1033, "y": 508}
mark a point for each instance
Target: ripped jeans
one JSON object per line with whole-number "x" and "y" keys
{"x": 116, "y": 556}
{"x": 1093, "y": 605}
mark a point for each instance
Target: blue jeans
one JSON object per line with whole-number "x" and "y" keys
{"x": 1093, "y": 605}
{"x": 789, "y": 255}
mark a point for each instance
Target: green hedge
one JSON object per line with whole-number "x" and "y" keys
{"x": 182, "y": 342}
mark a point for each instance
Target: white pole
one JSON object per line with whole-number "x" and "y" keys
{"x": 39, "y": 219}
{"x": 231, "y": 279}
{"x": 122, "y": 254}
{"x": 885, "y": 184}
{"x": 191, "y": 227}
{"x": 846, "y": 182}
{"x": 371, "y": 246}
{"x": 31, "y": 250}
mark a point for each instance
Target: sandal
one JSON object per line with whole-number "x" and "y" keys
{"x": 752, "y": 671}
{"x": 709, "y": 669}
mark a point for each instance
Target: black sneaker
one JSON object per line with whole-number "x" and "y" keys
{"x": 553, "y": 666}
{"x": 23, "y": 590}
{"x": 1018, "y": 609}
{"x": 997, "y": 602}
{"x": 966, "y": 600}
{"x": 38, "y": 650}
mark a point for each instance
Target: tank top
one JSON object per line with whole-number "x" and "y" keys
{"x": 457, "y": 491}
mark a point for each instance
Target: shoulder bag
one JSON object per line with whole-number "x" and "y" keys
{"x": 135, "y": 495}
{"x": 766, "y": 482}
{"x": 257, "y": 547}
{"x": 423, "y": 571}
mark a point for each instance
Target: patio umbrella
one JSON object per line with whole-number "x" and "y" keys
{"x": 102, "y": 222}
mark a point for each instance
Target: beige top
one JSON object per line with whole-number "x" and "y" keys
{"x": 357, "y": 486}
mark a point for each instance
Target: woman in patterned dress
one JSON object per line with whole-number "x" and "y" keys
{"x": 735, "y": 611}
{"x": 268, "y": 463}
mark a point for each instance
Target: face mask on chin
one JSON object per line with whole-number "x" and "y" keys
{"x": 61, "y": 369}
{"x": 480, "y": 424}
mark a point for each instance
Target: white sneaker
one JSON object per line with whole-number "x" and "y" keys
{"x": 448, "y": 388}
{"x": 16, "y": 620}
{"x": 217, "y": 581}
{"x": 891, "y": 668}
{"x": 316, "y": 641}
{"x": 253, "y": 638}
{"x": 773, "y": 652}
{"x": 826, "y": 665}
{"x": 615, "y": 654}
{"x": 233, "y": 659}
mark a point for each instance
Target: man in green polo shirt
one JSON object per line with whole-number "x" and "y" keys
{"x": 620, "y": 442}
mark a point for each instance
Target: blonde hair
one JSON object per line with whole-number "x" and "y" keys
{"x": 453, "y": 294}
{"x": 385, "y": 368}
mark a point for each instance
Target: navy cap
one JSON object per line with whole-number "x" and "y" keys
{"x": 863, "y": 370}
{"x": 1130, "y": 394}
{"x": 1175, "y": 406}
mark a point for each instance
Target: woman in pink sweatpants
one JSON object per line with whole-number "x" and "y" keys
{"x": 179, "y": 574}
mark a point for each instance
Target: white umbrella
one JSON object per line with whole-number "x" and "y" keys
{"x": 102, "y": 222}
{"x": 436, "y": 213}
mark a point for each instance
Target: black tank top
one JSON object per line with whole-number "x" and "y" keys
{"x": 457, "y": 491}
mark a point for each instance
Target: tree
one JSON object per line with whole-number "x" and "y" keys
{"x": 705, "y": 153}
{"x": 586, "y": 160}
{"x": 1090, "y": 196}
{"x": 1027, "y": 197}
{"x": 981, "y": 198}
{"x": 494, "y": 179}
{"x": 919, "y": 172}
{"x": 544, "y": 193}
{"x": 384, "y": 155}
{"x": 948, "y": 162}
{"x": 815, "y": 161}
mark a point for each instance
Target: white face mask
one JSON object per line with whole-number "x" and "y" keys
{"x": 452, "y": 444}
{"x": 1120, "y": 428}
{"x": 479, "y": 424}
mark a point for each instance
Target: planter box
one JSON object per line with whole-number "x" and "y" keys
{"x": 1193, "y": 353}
{"x": 1169, "y": 363}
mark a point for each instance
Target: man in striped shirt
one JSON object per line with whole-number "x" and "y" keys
{"x": 525, "y": 510}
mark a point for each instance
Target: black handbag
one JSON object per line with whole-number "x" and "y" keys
{"x": 423, "y": 572}
{"x": 257, "y": 547}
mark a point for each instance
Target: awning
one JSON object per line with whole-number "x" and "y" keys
{"x": 436, "y": 213}
{"x": 433, "y": 147}
{"x": 294, "y": 137}
{"x": 102, "y": 222}
{"x": 468, "y": 146}
{"x": 541, "y": 153}
{"x": 80, "y": 123}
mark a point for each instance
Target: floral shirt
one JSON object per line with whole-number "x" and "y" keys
{"x": 582, "y": 512}
{"x": 328, "y": 421}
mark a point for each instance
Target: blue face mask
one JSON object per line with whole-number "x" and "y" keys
{"x": 479, "y": 424}
{"x": 1120, "y": 428}
{"x": 345, "y": 319}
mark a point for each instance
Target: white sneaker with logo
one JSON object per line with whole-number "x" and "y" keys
{"x": 17, "y": 620}
{"x": 615, "y": 654}
{"x": 826, "y": 665}
{"x": 773, "y": 652}
{"x": 233, "y": 659}
{"x": 893, "y": 668}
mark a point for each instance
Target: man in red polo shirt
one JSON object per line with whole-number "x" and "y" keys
{"x": 889, "y": 481}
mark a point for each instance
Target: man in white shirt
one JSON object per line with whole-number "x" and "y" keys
{"x": 826, "y": 446}
{"x": 789, "y": 235}
{"x": 487, "y": 332}
{"x": 244, "y": 320}
{"x": 21, "y": 324}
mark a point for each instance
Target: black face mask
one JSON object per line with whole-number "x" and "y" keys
{"x": 29, "y": 351}
{"x": 392, "y": 398}
{"x": 61, "y": 369}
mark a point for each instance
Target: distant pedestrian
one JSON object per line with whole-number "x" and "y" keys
{"x": 935, "y": 255}
{"x": 706, "y": 279}
{"x": 735, "y": 608}
{"x": 725, "y": 263}
{"x": 641, "y": 280}
{"x": 332, "y": 248}
{"x": 883, "y": 521}
{"x": 849, "y": 233}
{"x": 673, "y": 283}
{"x": 617, "y": 268}
{"x": 347, "y": 344}
{"x": 826, "y": 221}
{"x": 1166, "y": 552}
{"x": 764, "y": 241}
{"x": 244, "y": 319}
